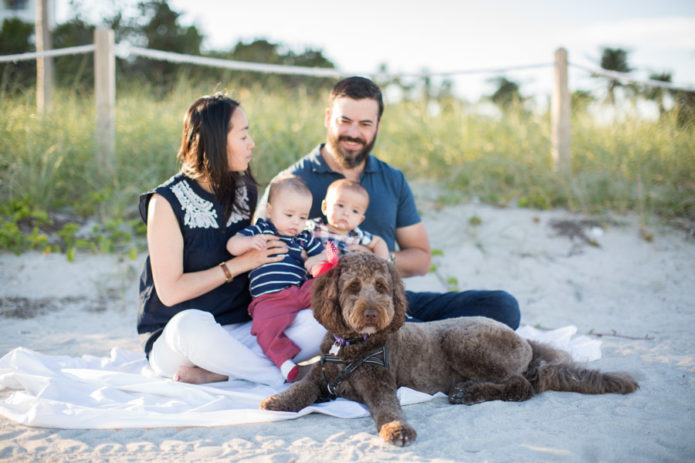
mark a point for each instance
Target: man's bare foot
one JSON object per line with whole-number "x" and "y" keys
{"x": 197, "y": 375}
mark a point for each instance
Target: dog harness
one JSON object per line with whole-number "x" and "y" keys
{"x": 378, "y": 357}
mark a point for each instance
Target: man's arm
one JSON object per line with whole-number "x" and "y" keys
{"x": 414, "y": 256}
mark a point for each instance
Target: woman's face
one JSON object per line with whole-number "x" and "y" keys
{"x": 239, "y": 142}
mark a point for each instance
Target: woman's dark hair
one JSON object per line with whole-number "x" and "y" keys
{"x": 358, "y": 88}
{"x": 203, "y": 151}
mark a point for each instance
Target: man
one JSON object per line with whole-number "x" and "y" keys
{"x": 352, "y": 123}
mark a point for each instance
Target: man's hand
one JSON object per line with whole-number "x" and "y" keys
{"x": 358, "y": 248}
{"x": 414, "y": 257}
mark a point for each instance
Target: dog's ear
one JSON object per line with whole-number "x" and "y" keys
{"x": 325, "y": 303}
{"x": 400, "y": 303}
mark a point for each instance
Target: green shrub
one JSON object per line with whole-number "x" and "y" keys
{"x": 48, "y": 164}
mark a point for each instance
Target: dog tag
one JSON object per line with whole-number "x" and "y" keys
{"x": 335, "y": 348}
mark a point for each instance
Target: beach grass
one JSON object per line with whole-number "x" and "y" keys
{"x": 48, "y": 163}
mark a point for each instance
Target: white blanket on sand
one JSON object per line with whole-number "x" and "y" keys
{"x": 120, "y": 391}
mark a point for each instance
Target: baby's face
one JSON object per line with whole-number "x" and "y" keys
{"x": 344, "y": 209}
{"x": 289, "y": 212}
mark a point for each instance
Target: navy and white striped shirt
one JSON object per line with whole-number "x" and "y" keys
{"x": 276, "y": 276}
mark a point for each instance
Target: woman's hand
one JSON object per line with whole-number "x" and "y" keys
{"x": 239, "y": 244}
{"x": 274, "y": 251}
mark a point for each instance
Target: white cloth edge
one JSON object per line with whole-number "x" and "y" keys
{"x": 121, "y": 391}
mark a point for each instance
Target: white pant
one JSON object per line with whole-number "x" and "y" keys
{"x": 193, "y": 337}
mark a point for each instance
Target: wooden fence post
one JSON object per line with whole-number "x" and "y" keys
{"x": 105, "y": 96}
{"x": 561, "y": 114}
{"x": 44, "y": 65}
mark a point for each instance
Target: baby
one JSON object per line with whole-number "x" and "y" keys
{"x": 280, "y": 289}
{"x": 344, "y": 207}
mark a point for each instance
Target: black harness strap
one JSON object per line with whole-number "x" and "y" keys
{"x": 379, "y": 357}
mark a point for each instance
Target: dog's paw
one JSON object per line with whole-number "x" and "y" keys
{"x": 466, "y": 393}
{"x": 398, "y": 433}
{"x": 517, "y": 390}
{"x": 276, "y": 403}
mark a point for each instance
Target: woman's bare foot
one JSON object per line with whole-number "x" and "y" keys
{"x": 197, "y": 375}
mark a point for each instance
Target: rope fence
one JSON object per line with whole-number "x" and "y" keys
{"x": 124, "y": 51}
{"x": 627, "y": 78}
{"x": 47, "y": 54}
{"x": 228, "y": 64}
{"x": 461, "y": 72}
{"x": 105, "y": 52}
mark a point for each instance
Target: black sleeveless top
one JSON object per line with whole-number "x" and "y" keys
{"x": 205, "y": 237}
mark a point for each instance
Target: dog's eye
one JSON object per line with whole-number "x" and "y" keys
{"x": 354, "y": 286}
{"x": 381, "y": 287}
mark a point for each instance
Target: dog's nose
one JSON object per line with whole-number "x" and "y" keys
{"x": 370, "y": 315}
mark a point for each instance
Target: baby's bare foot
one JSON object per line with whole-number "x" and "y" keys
{"x": 197, "y": 375}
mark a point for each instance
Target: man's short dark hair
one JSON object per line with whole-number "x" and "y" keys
{"x": 358, "y": 88}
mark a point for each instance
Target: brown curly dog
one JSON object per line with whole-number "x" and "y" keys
{"x": 369, "y": 353}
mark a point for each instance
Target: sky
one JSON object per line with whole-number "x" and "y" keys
{"x": 452, "y": 35}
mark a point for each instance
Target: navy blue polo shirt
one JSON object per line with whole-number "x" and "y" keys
{"x": 391, "y": 202}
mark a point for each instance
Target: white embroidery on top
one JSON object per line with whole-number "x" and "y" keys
{"x": 199, "y": 213}
{"x": 237, "y": 215}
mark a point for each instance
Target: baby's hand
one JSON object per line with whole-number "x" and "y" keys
{"x": 311, "y": 262}
{"x": 259, "y": 241}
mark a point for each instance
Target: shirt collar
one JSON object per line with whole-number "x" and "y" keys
{"x": 261, "y": 222}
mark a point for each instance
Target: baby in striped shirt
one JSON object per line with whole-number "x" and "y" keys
{"x": 280, "y": 289}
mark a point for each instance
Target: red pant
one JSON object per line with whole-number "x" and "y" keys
{"x": 272, "y": 314}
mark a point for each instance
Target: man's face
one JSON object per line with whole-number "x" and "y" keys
{"x": 351, "y": 129}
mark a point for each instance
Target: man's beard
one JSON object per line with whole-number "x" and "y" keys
{"x": 349, "y": 159}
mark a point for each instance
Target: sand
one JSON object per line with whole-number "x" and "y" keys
{"x": 600, "y": 275}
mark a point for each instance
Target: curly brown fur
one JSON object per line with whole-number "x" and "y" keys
{"x": 369, "y": 293}
{"x": 471, "y": 359}
{"x": 554, "y": 370}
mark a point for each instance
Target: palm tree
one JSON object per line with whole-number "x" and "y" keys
{"x": 507, "y": 94}
{"x": 614, "y": 59}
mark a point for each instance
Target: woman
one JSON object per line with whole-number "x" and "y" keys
{"x": 192, "y": 318}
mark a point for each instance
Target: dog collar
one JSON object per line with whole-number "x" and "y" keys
{"x": 340, "y": 342}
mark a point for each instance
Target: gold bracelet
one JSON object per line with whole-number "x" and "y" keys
{"x": 392, "y": 257}
{"x": 227, "y": 274}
